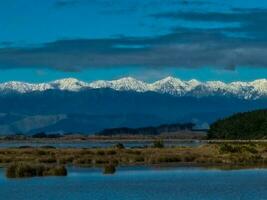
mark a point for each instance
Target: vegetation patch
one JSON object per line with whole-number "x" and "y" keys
{"x": 248, "y": 125}
{"x": 45, "y": 162}
{"x": 109, "y": 169}
{"x": 23, "y": 170}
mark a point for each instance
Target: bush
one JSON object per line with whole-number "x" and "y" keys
{"x": 22, "y": 170}
{"x": 169, "y": 159}
{"x": 58, "y": 171}
{"x": 158, "y": 144}
{"x": 237, "y": 148}
{"x": 228, "y": 148}
{"x": 82, "y": 161}
{"x": 101, "y": 161}
{"x": 47, "y": 160}
{"x": 109, "y": 169}
{"x": 47, "y": 147}
{"x": 189, "y": 157}
{"x": 119, "y": 146}
{"x": 25, "y": 147}
{"x": 139, "y": 159}
{"x": 111, "y": 152}
{"x": 100, "y": 152}
{"x": 66, "y": 159}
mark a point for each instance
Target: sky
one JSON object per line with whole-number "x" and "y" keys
{"x": 147, "y": 39}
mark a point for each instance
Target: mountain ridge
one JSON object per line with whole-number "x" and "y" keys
{"x": 90, "y": 111}
{"x": 244, "y": 90}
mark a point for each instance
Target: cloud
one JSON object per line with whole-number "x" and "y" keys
{"x": 65, "y": 3}
{"x": 6, "y": 44}
{"x": 184, "y": 49}
{"x": 251, "y": 21}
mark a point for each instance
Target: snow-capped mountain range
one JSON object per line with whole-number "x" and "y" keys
{"x": 170, "y": 85}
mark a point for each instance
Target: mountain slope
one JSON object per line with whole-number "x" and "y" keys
{"x": 92, "y": 110}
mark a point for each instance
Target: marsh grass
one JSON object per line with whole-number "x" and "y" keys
{"x": 23, "y": 170}
{"x": 109, "y": 169}
{"x": 247, "y": 154}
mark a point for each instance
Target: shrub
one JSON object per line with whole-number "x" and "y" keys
{"x": 101, "y": 161}
{"x": 158, "y": 144}
{"x": 47, "y": 147}
{"x": 100, "y": 152}
{"x": 57, "y": 171}
{"x": 111, "y": 152}
{"x": 66, "y": 159}
{"x": 22, "y": 170}
{"x": 169, "y": 159}
{"x": 139, "y": 159}
{"x": 11, "y": 171}
{"x": 119, "y": 146}
{"x": 25, "y": 147}
{"x": 228, "y": 148}
{"x": 47, "y": 160}
{"x": 189, "y": 158}
{"x": 109, "y": 169}
{"x": 237, "y": 148}
{"x": 82, "y": 161}
{"x": 134, "y": 152}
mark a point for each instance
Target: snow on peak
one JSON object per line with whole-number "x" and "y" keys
{"x": 22, "y": 87}
{"x": 169, "y": 85}
{"x": 127, "y": 84}
{"x": 70, "y": 84}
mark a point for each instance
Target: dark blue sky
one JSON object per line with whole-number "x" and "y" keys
{"x": 147, "y": 39}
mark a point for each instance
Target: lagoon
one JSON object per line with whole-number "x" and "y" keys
{"x": 140, "y": 183}
{"x": 97, "y": 144}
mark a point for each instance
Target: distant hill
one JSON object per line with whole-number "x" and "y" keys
{"x": 92, "y": 110}
{"x": 247, "y": 125}
{"x": 156, "y": 130}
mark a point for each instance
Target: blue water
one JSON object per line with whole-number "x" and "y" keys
{"x": 140, "y": 184}
{"x": 90, "y": 144}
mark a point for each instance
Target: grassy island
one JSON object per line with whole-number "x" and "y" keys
{"x": 51, "y": 161}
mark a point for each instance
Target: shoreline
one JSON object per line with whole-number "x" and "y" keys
{"x": 127, "y": 139}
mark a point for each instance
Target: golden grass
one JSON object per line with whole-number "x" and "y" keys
{"x": 252, "y": 154}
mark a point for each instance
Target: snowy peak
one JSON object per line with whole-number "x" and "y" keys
{"x": 70, "y": 84}
{"x": 22, "y": 87}
{"x": 126, "y": 84}
{"x": 169, "y": 85}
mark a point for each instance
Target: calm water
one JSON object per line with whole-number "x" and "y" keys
{"x": 90, "y": 144}
{"x": 140, "y": 184}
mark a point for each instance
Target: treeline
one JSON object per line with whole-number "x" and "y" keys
{"x": 157, "y": 130}
{"x": 45, "y": 135}
{"x": 248, "y": 125}
{"x": 39, "y": 135}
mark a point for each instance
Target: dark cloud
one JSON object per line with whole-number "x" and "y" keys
{"x": 65, "y": 3}
{"x": 195, "y": 2}
{"x": 251, "y": 21}
{"x": 234, "y": 15}
{"x": 184, "y": 49}
{"x": 6, "y": 44}
{"x": 126, "y": 7}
